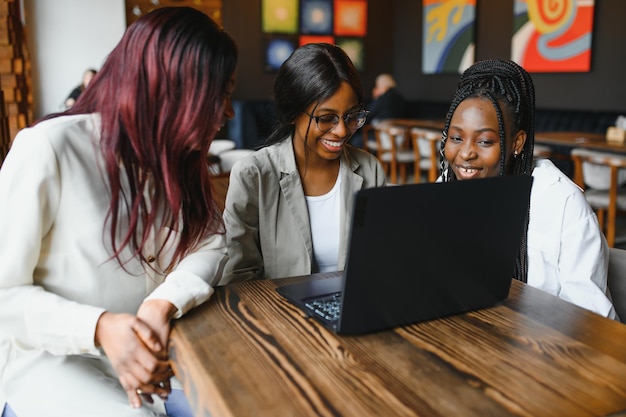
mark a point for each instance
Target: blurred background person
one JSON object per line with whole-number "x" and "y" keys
{"x": 87, "y": 77}
{"x": 386, "y": 103}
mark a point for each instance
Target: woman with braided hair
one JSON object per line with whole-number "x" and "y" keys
{"x": 489, "y": 131}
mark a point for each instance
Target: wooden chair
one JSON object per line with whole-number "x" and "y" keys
{"x": 426, "y": 144}
{"x": 219, "y": 187}
{"x": 219, "y": 146}
{"x": 601, "y": 175}
{"x": 228, "y": 158}
{"x": 369, "y": 141}
{"x": 393, "y": 150}
{"x": 616, "y": 281}
{"x": 541, "y": 152}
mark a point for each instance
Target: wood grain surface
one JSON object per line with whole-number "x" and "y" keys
{"x": 587, "y": 140}
{"x": 249, "y": 352}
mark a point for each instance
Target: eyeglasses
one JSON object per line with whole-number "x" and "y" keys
{"x": 327, "y": 122}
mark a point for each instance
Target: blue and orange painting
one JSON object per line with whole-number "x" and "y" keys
{"x": 448, "y": 38}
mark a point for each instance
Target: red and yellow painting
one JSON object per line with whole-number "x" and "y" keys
{"x": 553, "y": 35}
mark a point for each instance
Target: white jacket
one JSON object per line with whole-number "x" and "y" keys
{"x": 56, "y": 274}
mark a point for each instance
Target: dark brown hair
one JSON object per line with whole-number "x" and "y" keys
{"x": 312, "y": 74}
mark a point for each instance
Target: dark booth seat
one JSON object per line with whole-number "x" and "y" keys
{"x": 254, "y": 119}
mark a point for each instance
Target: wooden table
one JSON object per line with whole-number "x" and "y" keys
{"x": 248, "y": 352}
{"x": 594, "y": 141}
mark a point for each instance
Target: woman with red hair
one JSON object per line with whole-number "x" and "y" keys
{"x": 109, "y": 228}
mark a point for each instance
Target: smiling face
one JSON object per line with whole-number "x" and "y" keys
{"x": 325, "y": 146}
{"x": 472, "y": 148}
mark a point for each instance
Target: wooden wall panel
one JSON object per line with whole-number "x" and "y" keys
{"x": 136, "y": 8}
{"x": 16, "y": 109}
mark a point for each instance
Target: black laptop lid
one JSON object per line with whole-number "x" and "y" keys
{"x": 423, "y": 251}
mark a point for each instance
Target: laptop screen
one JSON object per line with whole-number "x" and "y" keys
{"x": 423, "y": 251}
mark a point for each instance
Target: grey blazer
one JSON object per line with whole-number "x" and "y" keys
{"x": 267, "y": 222}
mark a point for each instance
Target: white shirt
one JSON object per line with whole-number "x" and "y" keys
{"x": 324, "y": 213}
{"x": 56, "y": 275}
{"x": 567, "y": 252}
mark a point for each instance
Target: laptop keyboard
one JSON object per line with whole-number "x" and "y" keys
{"x": 327, "y": 307}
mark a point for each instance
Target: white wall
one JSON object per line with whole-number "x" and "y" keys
{"x": 65, "y": 37}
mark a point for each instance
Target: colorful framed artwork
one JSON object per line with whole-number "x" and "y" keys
{"x": 279, "y": 16}
{"x": 448, "y": 35}
{"x": 316, "y": 17}
{"x": 553, "y": 36}
{"x": 304, "y": 39}
{"x": 288, "y": 24}
{"x": 277, "y": 50}
{"x": 355, "y": 49}
{"x": 350, "y": 17}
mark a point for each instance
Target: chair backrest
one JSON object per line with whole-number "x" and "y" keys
{"x": 221, "y": 145}
{"x": 393, "y": 148}
{"x": 426, "y": 145}
{"x": 593, "y": 168}
{"x": 228, "y": 158}
{"x": 369, "y": 143}
{"x": 389, "y": 138}
{"x": 617, "y": 281}
{"x": 541, "y": 151}
{"x": 604, "y": 185}
{"x": 219, "y": 186}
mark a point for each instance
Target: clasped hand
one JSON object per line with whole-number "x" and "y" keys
{"x": 137, "y": 349}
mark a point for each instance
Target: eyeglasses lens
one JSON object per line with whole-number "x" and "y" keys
{"x": 354, "y": 121}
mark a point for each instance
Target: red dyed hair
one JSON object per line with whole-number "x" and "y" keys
{"x": 161, "y": 95}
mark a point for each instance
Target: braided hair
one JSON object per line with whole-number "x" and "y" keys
{"x": 510, "y": 90}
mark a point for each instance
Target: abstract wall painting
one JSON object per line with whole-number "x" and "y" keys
{"x": 280, "y": 16}
{"x": 350, "y": 18}
{"x": 448, "y": 35}
{"x": 277, "y": 50}
{"x": 355, "y": 49}
{"x": 316, "y": 17}
{"x": 288, "y": 24}
{"x": 304, "y": 39}
{"x": 553, "y": 35}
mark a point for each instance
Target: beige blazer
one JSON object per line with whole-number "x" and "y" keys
{"x": 267, "y": 223}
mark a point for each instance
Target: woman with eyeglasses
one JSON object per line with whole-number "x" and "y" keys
{"x": 289, "y": 204}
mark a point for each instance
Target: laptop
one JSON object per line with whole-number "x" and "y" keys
{"x": 419, "y": 252}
